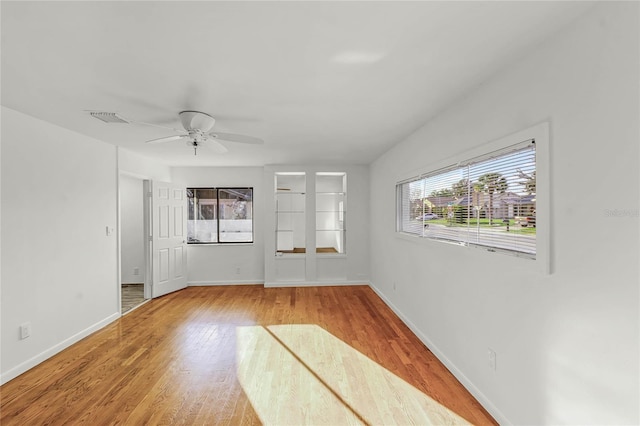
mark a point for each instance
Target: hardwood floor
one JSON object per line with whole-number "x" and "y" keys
{"x": 245, "y": 355}
{"x": 132, "y": 295}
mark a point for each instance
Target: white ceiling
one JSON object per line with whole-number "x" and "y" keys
{"x": 320, "y": 82}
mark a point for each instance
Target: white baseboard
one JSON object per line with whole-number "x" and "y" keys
{"x": 278, "y": 283}
{"x": 43, "y": 356}
{"x": 482, "y": 399}
{"x": 313, "y": 283}
{"x": 222, "y": 283}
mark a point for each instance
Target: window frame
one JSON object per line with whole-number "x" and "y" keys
{"x": 217, "y": 215}
{"x": 540, "y": 134}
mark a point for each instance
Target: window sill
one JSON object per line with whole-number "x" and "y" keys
{"x": 524, "y": 260}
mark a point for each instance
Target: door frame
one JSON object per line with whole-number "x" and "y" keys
{"x": 147, "y": 230}
{"x": 148, "y": 236}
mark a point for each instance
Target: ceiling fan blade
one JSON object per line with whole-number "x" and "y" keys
{"x": 157, "y": 125}
{"x": 215, "y": 146}
{"x": 167, "y": 139}
{"x": 230, "y": 137}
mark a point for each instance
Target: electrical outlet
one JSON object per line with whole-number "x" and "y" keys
{"x": 492, "y": 359}
{"x": 136, "y": 271}
{"x": 238, "y": 271}
{"x": 394, "y": 286}
{"x": 25, "y": 330}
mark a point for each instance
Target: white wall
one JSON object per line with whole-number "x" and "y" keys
{"x": 58, "y": 264}
{"x": 131, "y": 230}
{"x": 141, "y": 167}
{"x": 567, "y": 342}
{"x": 218, "y": 263}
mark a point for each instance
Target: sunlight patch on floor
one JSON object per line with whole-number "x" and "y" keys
{"x": 302, "y": 374}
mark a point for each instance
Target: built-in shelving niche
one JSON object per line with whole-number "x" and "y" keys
{"x": 310, "y": 226}
{"x": 331, "y": 197}
{"x": 290, "y": 213}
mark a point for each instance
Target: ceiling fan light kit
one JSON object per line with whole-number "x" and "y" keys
{"x": 195, "y": 120}
{"x": 197, "y": 130}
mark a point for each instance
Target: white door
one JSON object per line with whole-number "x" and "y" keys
{"x": 168, "y": 238}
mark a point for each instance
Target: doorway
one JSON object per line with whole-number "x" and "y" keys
{"x": 133, "y": 264}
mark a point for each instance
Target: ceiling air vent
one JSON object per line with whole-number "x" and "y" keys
{"x": 108, "y": 117}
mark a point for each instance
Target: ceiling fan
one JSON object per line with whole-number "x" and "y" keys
{"x": 197, "y": 132}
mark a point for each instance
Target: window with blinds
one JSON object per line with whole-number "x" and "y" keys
{"x": 487, "y": 201}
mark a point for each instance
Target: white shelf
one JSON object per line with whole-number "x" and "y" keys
{"x": 331, "y": 212}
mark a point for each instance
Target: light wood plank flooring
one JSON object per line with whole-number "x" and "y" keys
{"x": 245, "y": 355}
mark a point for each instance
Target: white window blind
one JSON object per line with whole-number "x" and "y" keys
{"x": 487, "y": 201}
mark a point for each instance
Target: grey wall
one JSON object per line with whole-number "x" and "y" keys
{"x": 217, "y": 263}
{"x": 59, "y": 266}
{"x": 566, "y": 342}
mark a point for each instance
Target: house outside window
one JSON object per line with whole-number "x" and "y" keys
{"x": 488, "y": 201}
